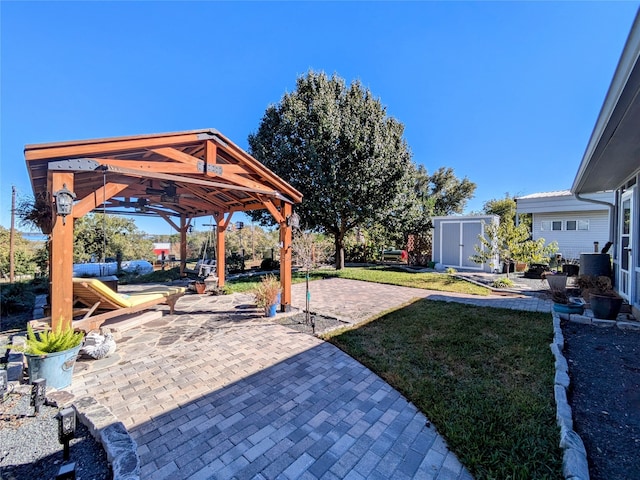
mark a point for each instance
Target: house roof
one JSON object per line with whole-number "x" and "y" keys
{"x": 613, "y": 152}
{"x": 184, "y": 174}
{"x": 562, "y": 201}
{"x": 558, "y": 193}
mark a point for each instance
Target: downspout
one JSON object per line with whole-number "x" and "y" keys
{"x": 612, "y": 216}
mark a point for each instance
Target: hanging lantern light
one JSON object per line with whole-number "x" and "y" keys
{"x": 64, "y": 202}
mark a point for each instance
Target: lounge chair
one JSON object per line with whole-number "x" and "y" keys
{"x": 102, "y": 303}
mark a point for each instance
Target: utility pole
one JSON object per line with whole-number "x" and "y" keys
{"x": 12, "y": 234}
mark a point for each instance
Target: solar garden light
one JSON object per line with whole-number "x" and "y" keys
{"x": 66, "y": 428}
{"x": 64, "y": 202}
{"x": 4, "y": 385}
{"x": 38, "y": 393}
{"x": 67, "y": 472}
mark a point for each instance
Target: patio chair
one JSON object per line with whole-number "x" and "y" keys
{"x": 101, "y": 303}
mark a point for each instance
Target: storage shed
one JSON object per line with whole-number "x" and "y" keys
{"x": 455, "y": 238}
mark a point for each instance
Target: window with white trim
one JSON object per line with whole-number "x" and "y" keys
{"x": 577, "y": 225}
{"x": 549, "y": 225}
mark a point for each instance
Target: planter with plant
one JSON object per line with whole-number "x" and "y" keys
{"x": 51, "y": 354}
{"x": 563, "y": 304}
{"x": 605, "y": 303}
{"x": 267, "y": 293}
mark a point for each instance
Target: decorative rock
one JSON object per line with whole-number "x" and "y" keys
{"x": 570, "y": 439}
{"x": 599, "y": 322}
{"x": 561, "y": 364}
{"x": 60, "y": 399}
{"x": 580, "y": 319}
{"x": 562, "y": 379}
{"x": 629, "y": 325}
{"x": 574, "y": 465}
{"x": 120, "y": 448}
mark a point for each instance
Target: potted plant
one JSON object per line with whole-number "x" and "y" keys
{"x": 563, "y": 304}
{"x": 604, "y": 301}
{"x": 556, "y": 281}
{"x": 51, "y": 354}
{"x": 267, "y": 294}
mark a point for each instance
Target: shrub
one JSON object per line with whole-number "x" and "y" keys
{"x": 16, "y": 297}
{"x": 50, "y": 341}
{"x": 267, "y": 291}
{"x": 451, "y": 271}
{"x": 502, "y": 283}
{"x": 269, "y": 264}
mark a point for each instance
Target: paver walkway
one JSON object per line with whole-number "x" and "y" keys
{"x": 216, "y": 391}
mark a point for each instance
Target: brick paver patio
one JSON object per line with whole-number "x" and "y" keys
{"x": 216, "y": 391}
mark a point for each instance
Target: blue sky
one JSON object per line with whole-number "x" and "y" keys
{"x": 505, "y": 93}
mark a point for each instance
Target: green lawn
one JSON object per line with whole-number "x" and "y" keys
{"x": 483, "y": 376}
{"x": 388, "y": 275}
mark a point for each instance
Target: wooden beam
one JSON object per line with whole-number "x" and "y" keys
{"x": 210, "y": 156}
{"x": 273, "y": 210}
{"x": 286, "y": 237}
{"x": 150, "y": 166}
{"x": 100, "y": 196}
{"x": 184, "y": 227}
{"x": 108, "y": 147}
{"x": 195, "y": 181}
{"x": 177, "y": 155}
{"x": 61, "y": 258}
{"x": 167, "y": 218}
{"x": 222, "y": 225}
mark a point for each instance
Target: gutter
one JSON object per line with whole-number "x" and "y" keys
{"x": 612, "y": 209}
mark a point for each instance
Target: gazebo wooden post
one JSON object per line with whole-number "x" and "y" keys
{"x": 285, "y": 258}
{"x": 183, "y": 244}
{"x": 221, "y": 226}
{"x": 61, "y": 260}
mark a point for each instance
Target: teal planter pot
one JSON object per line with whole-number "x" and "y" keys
{"x": 570, "y": 308}
{"x": 56, "y": 368}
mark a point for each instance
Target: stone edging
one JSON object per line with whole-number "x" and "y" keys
{"x": 574, "y": 459}
{"x": 121, "y": 449}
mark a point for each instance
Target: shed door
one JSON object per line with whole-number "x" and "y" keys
{"x": 450, "y": 244}
{"x": 470, "y": 232}
{"x": 457, "y": 240}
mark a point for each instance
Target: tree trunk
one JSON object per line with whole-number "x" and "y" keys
{"x": 339, "y": 243}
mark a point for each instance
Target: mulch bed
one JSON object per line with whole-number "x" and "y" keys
{"x": 604, "y": 367}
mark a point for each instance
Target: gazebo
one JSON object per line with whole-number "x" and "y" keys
{"x": 177, "y": 176}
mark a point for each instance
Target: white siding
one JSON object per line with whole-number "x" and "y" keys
{"x": 572, "y": 243}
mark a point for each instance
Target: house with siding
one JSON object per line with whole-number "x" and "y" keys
{"x": 577, "y": 225}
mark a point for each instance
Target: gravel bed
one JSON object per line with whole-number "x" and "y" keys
{"x": 29, "y": 447}
{"x": 604, "y": 394}
{"x": 299, "y": 323}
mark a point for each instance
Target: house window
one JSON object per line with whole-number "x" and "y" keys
{"x": 548, "y": 225}
{"x": 577, "y": 225}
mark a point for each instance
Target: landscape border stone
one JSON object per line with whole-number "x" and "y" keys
{"x": 574, "y": 458}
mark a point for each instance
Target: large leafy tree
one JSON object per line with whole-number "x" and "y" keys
{"x": 336, "y": 145}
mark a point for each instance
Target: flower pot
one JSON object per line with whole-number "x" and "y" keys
{"x": 557, "y": 282}
{"x": 56, "y": 368}
{"x": 571, "y": 308}
{"x": 200, "y": 287}
{"x": 521, "y": 267}
{"x": 605, "y": 306}
{"x": 271, "y": 310}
